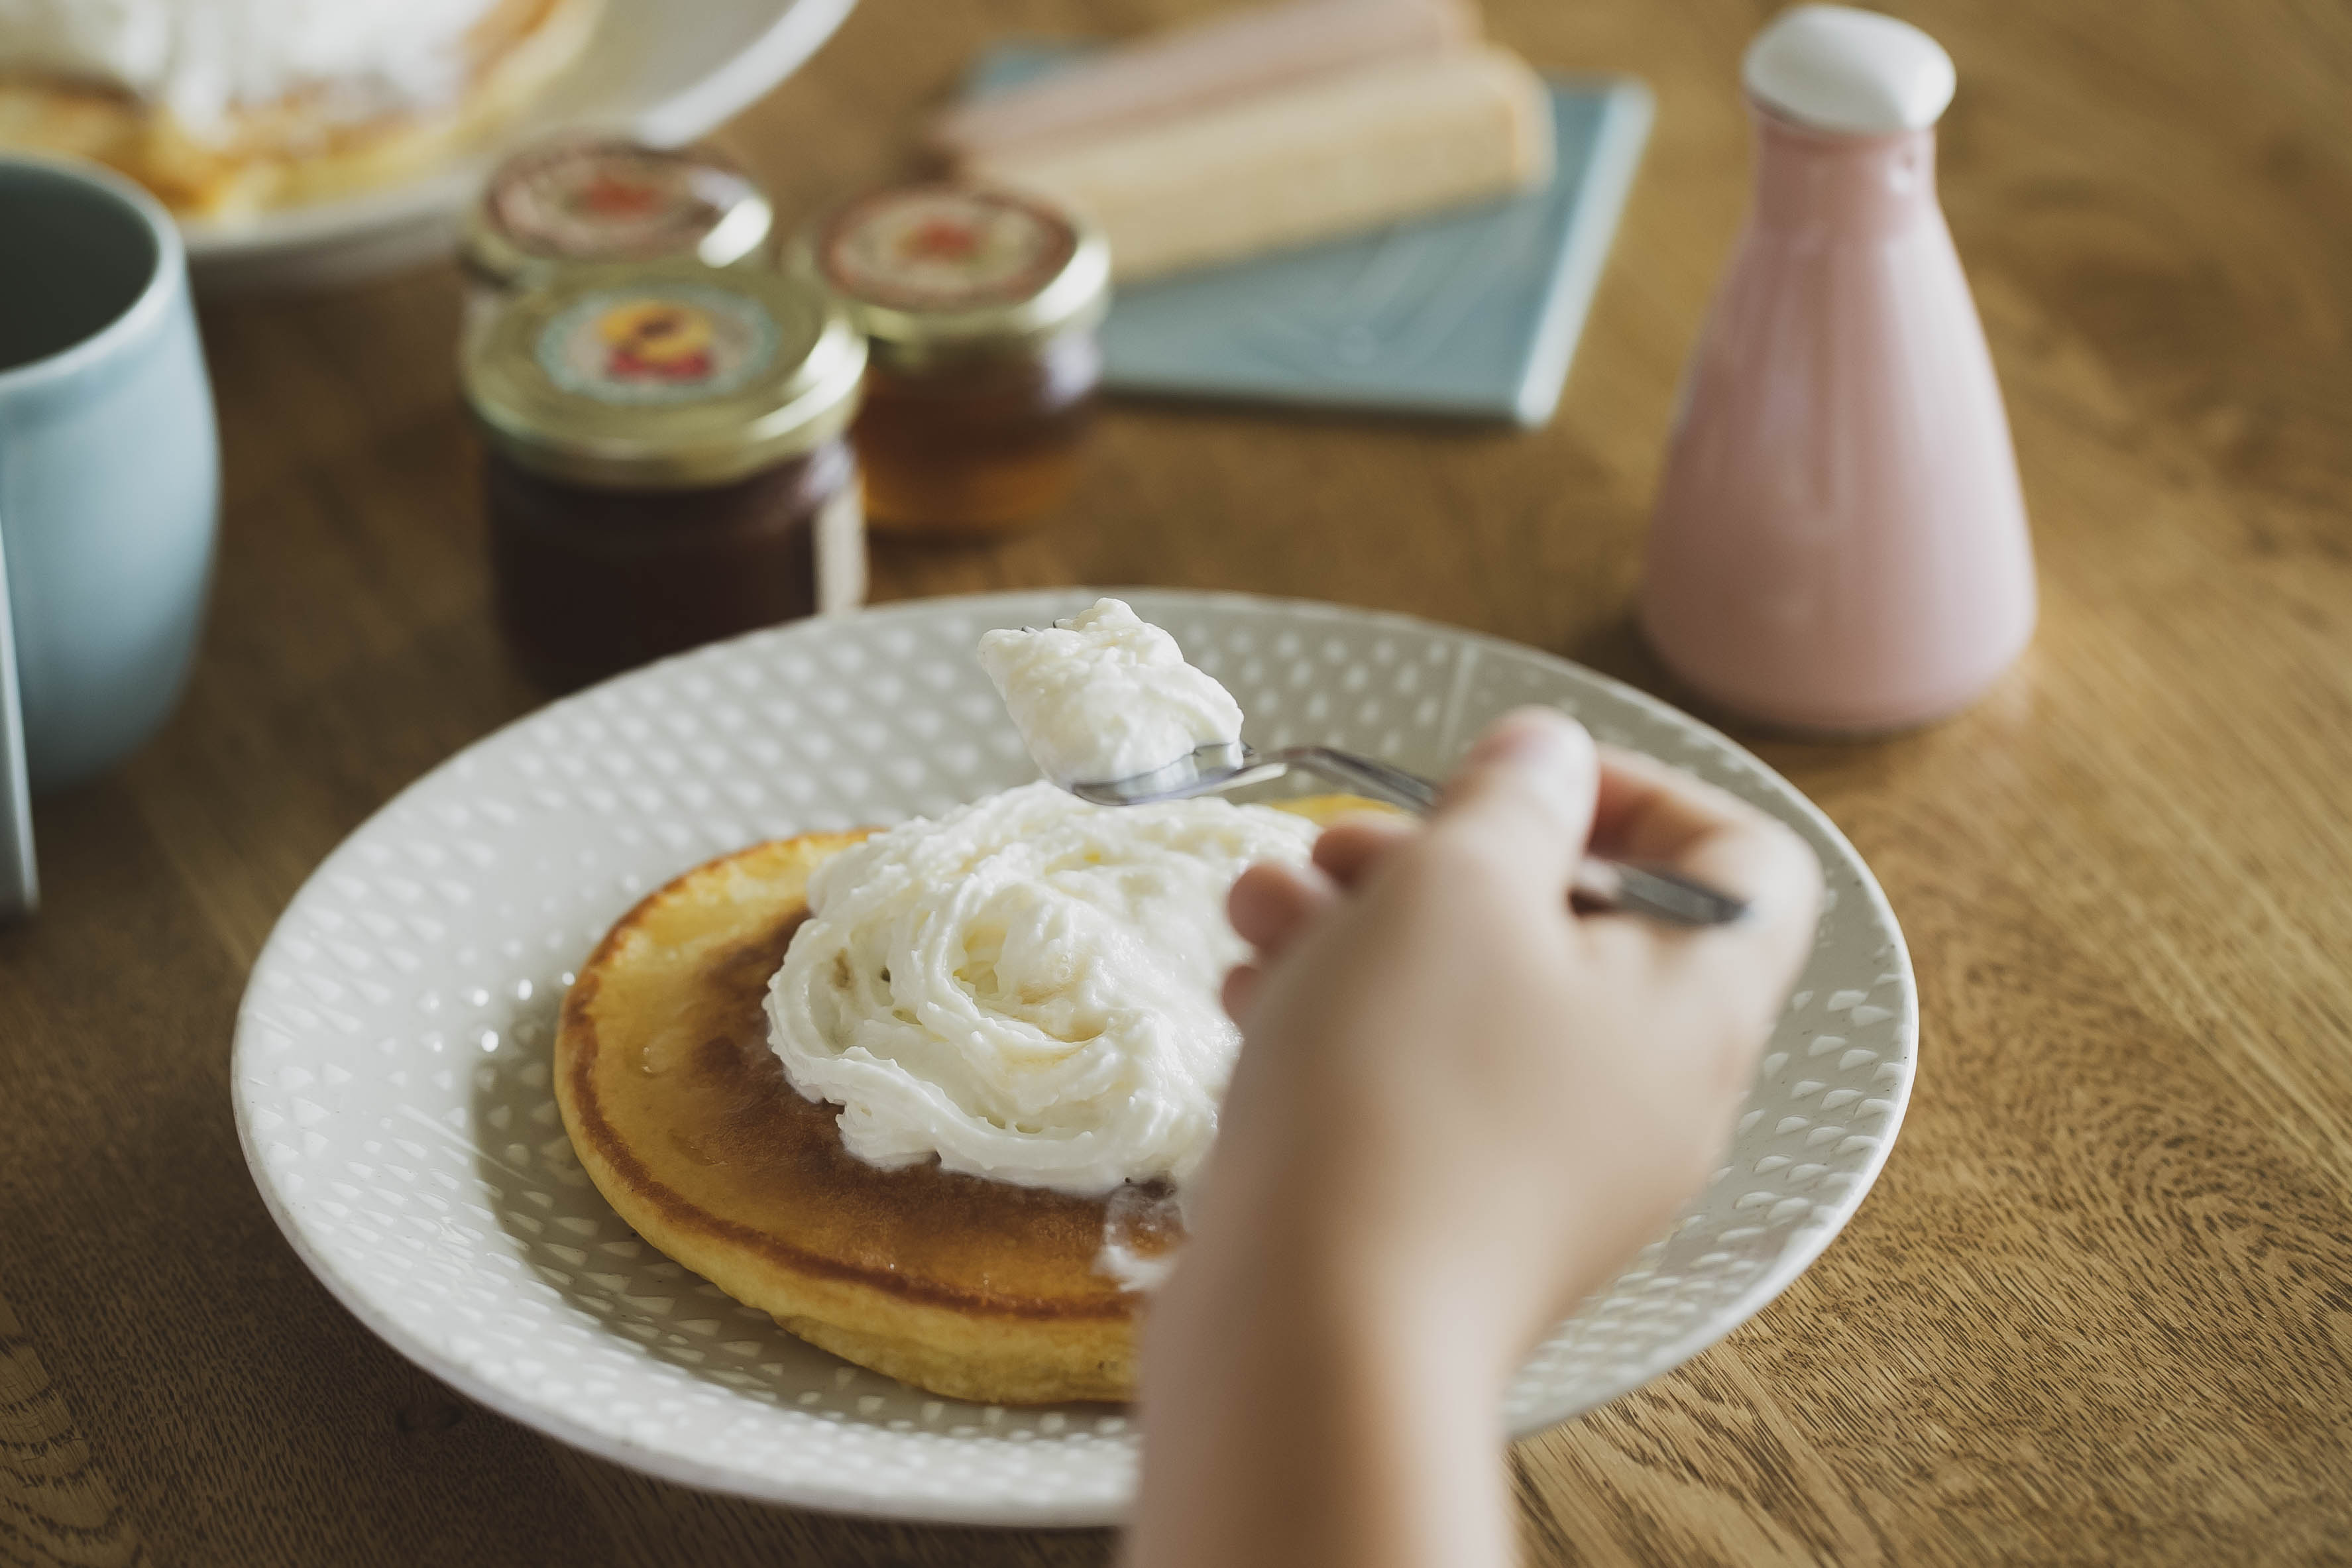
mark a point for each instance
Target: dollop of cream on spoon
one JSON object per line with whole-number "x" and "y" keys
{"x": 1105, "y": 695}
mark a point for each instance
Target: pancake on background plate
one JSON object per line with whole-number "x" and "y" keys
{"x": 225, "y": 107}
{"x": 681, "y": 1112}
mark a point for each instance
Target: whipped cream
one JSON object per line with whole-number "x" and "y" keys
{"x": 1028, "y": 987}
{"x": 203, "y": 58}
{"x": 1105, "y": 695}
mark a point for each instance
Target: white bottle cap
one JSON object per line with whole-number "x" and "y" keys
{"x": 1834, "y": 68}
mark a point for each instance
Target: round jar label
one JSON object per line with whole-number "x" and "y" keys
{"x": 945, "y": 248}
{"x": 608, "y": 201}
{"x": 674, "y": 342}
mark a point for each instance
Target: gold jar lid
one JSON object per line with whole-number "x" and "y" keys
{"x": 665, "y": 374}
{"x": 574, "y": 198}
{"x": 933, "y": 269}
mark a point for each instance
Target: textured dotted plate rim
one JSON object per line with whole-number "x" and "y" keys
{"x": 1757, "y": 1243}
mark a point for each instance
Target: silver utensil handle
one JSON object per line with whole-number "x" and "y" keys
{"x": 1651, "y": 892}
{"x": 1667, "y": 897}
{"x": 1376, "y": 780}
{"x": 20, "y": 886}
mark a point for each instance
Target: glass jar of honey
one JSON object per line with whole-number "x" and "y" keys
{"x": 667, "y": 460}
{"x": 584, "y": 198}
{"x": 980, "y": 307}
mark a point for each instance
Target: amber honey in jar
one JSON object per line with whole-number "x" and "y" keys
{"x": 980, "y": 307}
{"x": 667, "y": 460}
{"x": 584, "y": 198}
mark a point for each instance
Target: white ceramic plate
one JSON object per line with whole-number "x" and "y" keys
{"x": 661, "y": 72}
{"x": 392, "y": 1081}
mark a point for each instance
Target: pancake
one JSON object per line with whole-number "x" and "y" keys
{"x": 682, "y": 1116}
{"x": 298, "y": 149}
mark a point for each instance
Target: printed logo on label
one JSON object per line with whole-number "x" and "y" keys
{"x": 933, "y": 248}
{"x": 606, "y": 203}
{"x": 680, "y": 343}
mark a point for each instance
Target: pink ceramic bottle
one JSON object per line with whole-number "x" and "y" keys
{"x": 1839, "y": 541}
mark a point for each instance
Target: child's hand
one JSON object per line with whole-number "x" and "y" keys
{"x": 1459, "y": 1108}
{"x": 1450, "y": 1075}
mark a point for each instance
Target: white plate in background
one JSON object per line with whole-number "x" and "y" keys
{"x": 391, "y": 1072}
{"x": 661, "y": 72}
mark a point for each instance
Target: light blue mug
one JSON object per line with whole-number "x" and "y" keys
{"x": 110, "y": 484}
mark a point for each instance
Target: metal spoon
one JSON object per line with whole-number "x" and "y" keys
{"x": 1652, "y": 890}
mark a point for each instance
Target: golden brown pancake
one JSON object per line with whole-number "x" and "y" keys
{"x": 683, "y": 1117}
{"x": 292, "y": 151}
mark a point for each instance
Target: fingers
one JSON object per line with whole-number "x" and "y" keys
{"x": 1756, "y": 958}
{"x": 1242, "y": 983}
{"x": 1270, "y": 904}
{"x": 1526, "y": 793}
{"x": 1646, "y": 813}
{"x": 1649, "y": 812}
{"x": 1352, "y": 845}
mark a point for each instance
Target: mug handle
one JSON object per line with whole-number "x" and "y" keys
{"x": 20, "y": 887}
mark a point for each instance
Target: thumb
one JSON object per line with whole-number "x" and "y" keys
{"x": 1528, "y": 784}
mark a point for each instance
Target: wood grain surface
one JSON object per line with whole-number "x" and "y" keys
{"x": 2099, "y": 1308}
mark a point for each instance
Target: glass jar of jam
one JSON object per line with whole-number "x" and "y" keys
{"x": 980, "y": 306}
{"x": 667, "y": 460}
{"x": 574, "y": 198}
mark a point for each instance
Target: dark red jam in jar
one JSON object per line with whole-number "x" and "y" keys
{"x": 667, "y": 461}
{"x": 980, "y": 307}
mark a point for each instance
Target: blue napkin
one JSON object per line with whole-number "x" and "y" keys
{"x": 1474, "y": 312}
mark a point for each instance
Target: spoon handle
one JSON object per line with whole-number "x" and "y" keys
{"x": 1653, "y": 891}
{"x": 1366, "y": 777}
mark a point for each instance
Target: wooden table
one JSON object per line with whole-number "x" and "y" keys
{"x": 2098, "y": 1307}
